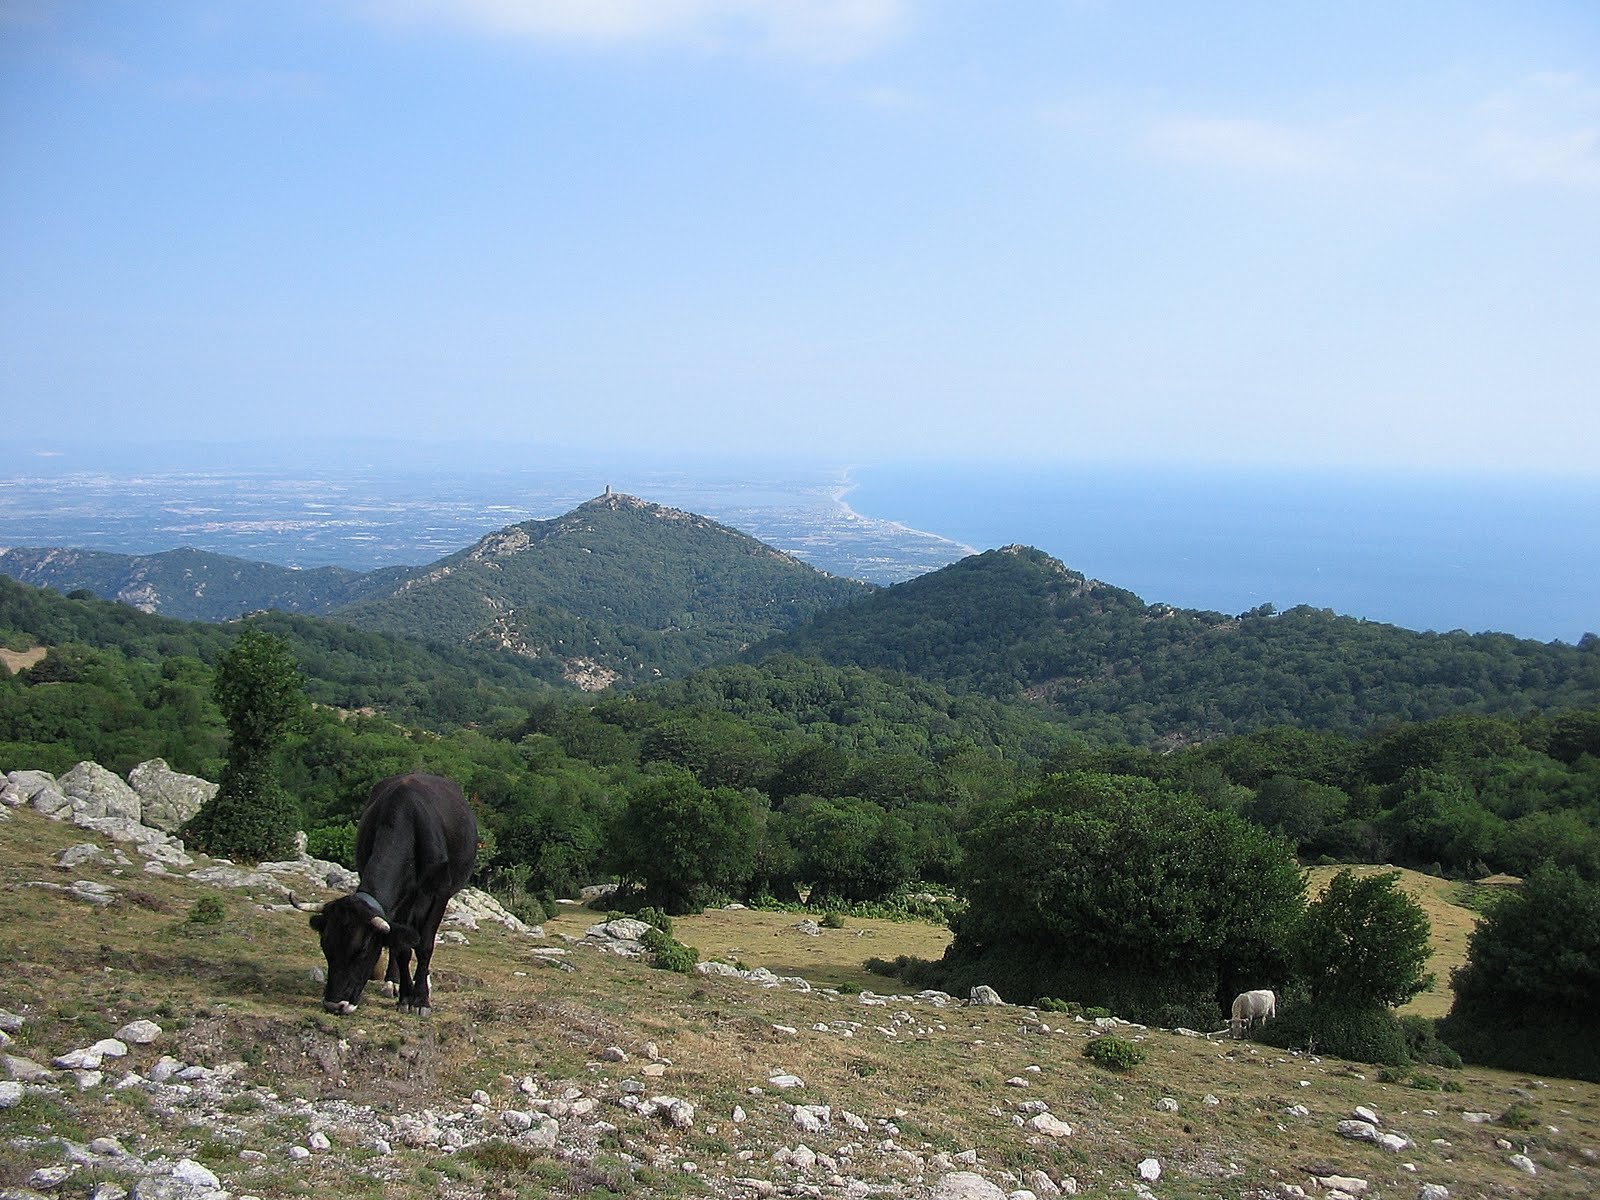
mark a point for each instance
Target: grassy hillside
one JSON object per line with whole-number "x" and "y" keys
{"x": 617, "y": 590}
{"x": 1016, "y": 622}
{"x": 237, "y": 998}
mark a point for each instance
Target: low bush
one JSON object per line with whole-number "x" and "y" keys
{"x": 667, "y": 953}
{"x": 1360, "y": 1033}
{"x": 832, "y": 920}
{"x": 336, "y": 843}
{"x": 1114, "y": 1053}
{"x": 207, "y": 910}
{"x": 1423, "y": 1044}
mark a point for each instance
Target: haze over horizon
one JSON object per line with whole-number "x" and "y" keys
{"x": 1270, "y": 236}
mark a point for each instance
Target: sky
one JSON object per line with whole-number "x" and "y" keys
{"x": 1296, "y": 234}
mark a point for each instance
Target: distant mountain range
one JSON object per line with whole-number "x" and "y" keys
{"x": 620, "y": 592}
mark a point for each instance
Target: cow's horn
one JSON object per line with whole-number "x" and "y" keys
{"x": 380, "y": 924}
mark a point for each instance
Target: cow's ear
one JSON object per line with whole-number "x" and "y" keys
{"x": 404, "y": 935}
{"x": 318, "y": 921}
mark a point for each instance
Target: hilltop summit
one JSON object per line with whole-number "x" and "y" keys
{"x": 618, "y": 589}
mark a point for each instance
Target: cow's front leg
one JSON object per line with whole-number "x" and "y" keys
{"x": 399, "y": 976}
{"x": 419, "y": 998}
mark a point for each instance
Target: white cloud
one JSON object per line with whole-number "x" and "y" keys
{"x": 809, "y": 28}
{"x": 1262, "y": 147}
{"x": 1544, "y": 130}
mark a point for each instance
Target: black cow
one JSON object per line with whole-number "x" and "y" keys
{"x": 415, "y": 848}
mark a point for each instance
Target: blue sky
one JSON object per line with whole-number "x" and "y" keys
{"x": 1363, "y": 235}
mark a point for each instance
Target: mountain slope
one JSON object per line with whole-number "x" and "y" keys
{"x": 1016, "y": 621}
{"x": 617, "y": 589}
{"x": 193, "y": 585}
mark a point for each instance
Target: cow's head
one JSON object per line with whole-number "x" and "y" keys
{"x": 353, "y": 935}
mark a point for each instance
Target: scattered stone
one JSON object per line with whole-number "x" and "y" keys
{"x": 1358, "y": 1131}
{"x": 966, "y": 1185}
{"x": 138, "y": 1033}
{"x": 1210, "y": 1101}
{"x": 1298, "y": 1110}
{"x": 984, "y": 994}
{"x": 786, "y": 1082}
{"x": 1348, "y": 1184}
{"x": 1149, "y": 1170}
{"x": 1167, "y": 1104}
{"x": 813, "y": 1118}
{"x": 1049, "y": 1125}
{"x": 1477, "y": 1118}
{"x": 10, "y": 1094}
{"x": 1433, "y": 1191}
{"x": 1523, "y": 1163}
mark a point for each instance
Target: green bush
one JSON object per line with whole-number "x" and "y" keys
{"x": 832, "y": 920}
{"x": 669, "y": 954}
{"x": 1097, "y": 1013}
{"x": 1114, "y": 1053}
{"x": 1423, "y": 1044}
{"x": 208, "y": 910}
{"x": 1360, "y": 1033}
{"x": 336, "y": 843}
{"x": 1520, "y": 1116}
{"x": 651, "y": 915}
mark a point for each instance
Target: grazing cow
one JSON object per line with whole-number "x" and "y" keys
{"x": 1249, "y": 1007}
{"x": 415, "y": 848}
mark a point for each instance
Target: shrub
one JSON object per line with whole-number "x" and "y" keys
{"x": 336, "y": 843}
{"x": 207, "y": 910}
{"x": 1520, "y": 1116}
{"x": 1423, "y": 1044}
{"x": 1097, "y": 1012}
{"x": 651, "y": 915}
{"x": 832, "y": 920}
{"x": 668, "y": 953}
{"x": 1361, "y": 1033}
{"x": 1114, "y": 1053}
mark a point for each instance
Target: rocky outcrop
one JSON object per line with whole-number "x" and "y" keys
{"x": 169, "y": 798}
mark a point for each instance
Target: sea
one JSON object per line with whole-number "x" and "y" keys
{"x": 1517, "y": 555}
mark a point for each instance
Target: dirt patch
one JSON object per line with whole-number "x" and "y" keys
{"x": 21, "y": 660}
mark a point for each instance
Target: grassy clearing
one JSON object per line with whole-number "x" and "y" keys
{"x": 753, "y": 938}
{"x": 241, "y": 991}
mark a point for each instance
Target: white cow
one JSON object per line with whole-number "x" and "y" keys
{"x": 1250, "y": 1007}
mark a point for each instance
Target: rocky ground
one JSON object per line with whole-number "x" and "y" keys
{"x": 151, "y": 1053}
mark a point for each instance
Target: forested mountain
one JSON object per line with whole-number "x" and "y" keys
{"x": 1017, "y": 623}
{"x": 194, "y": 585}
{"x": 618, "y": 590}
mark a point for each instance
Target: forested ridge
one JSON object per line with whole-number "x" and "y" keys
{"x": 195, "y": 585}
{"x": 1016, "y": 623}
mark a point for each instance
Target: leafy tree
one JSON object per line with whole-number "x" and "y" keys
{"x": 1109, "y": 890}
{"x": 684, "y": 842}
{"x": 1363, "y": 942}
{"x": 259, "y": 690}
{"x": 1528, "y": 998}
{"x": 852, "y": 850}
{"x": 1296, "y": 808}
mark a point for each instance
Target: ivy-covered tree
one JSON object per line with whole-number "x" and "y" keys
{"x": 259, "y": 690}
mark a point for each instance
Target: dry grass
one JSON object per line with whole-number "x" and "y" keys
{"x": 20, "y": 660}
{"x": 242, "y": 991}
{"x": 752, "y": 938}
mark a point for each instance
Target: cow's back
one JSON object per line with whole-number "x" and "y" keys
{"x": 417, "y": 832}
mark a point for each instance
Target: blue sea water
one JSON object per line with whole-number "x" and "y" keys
{"x": 1519, "y": 556}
